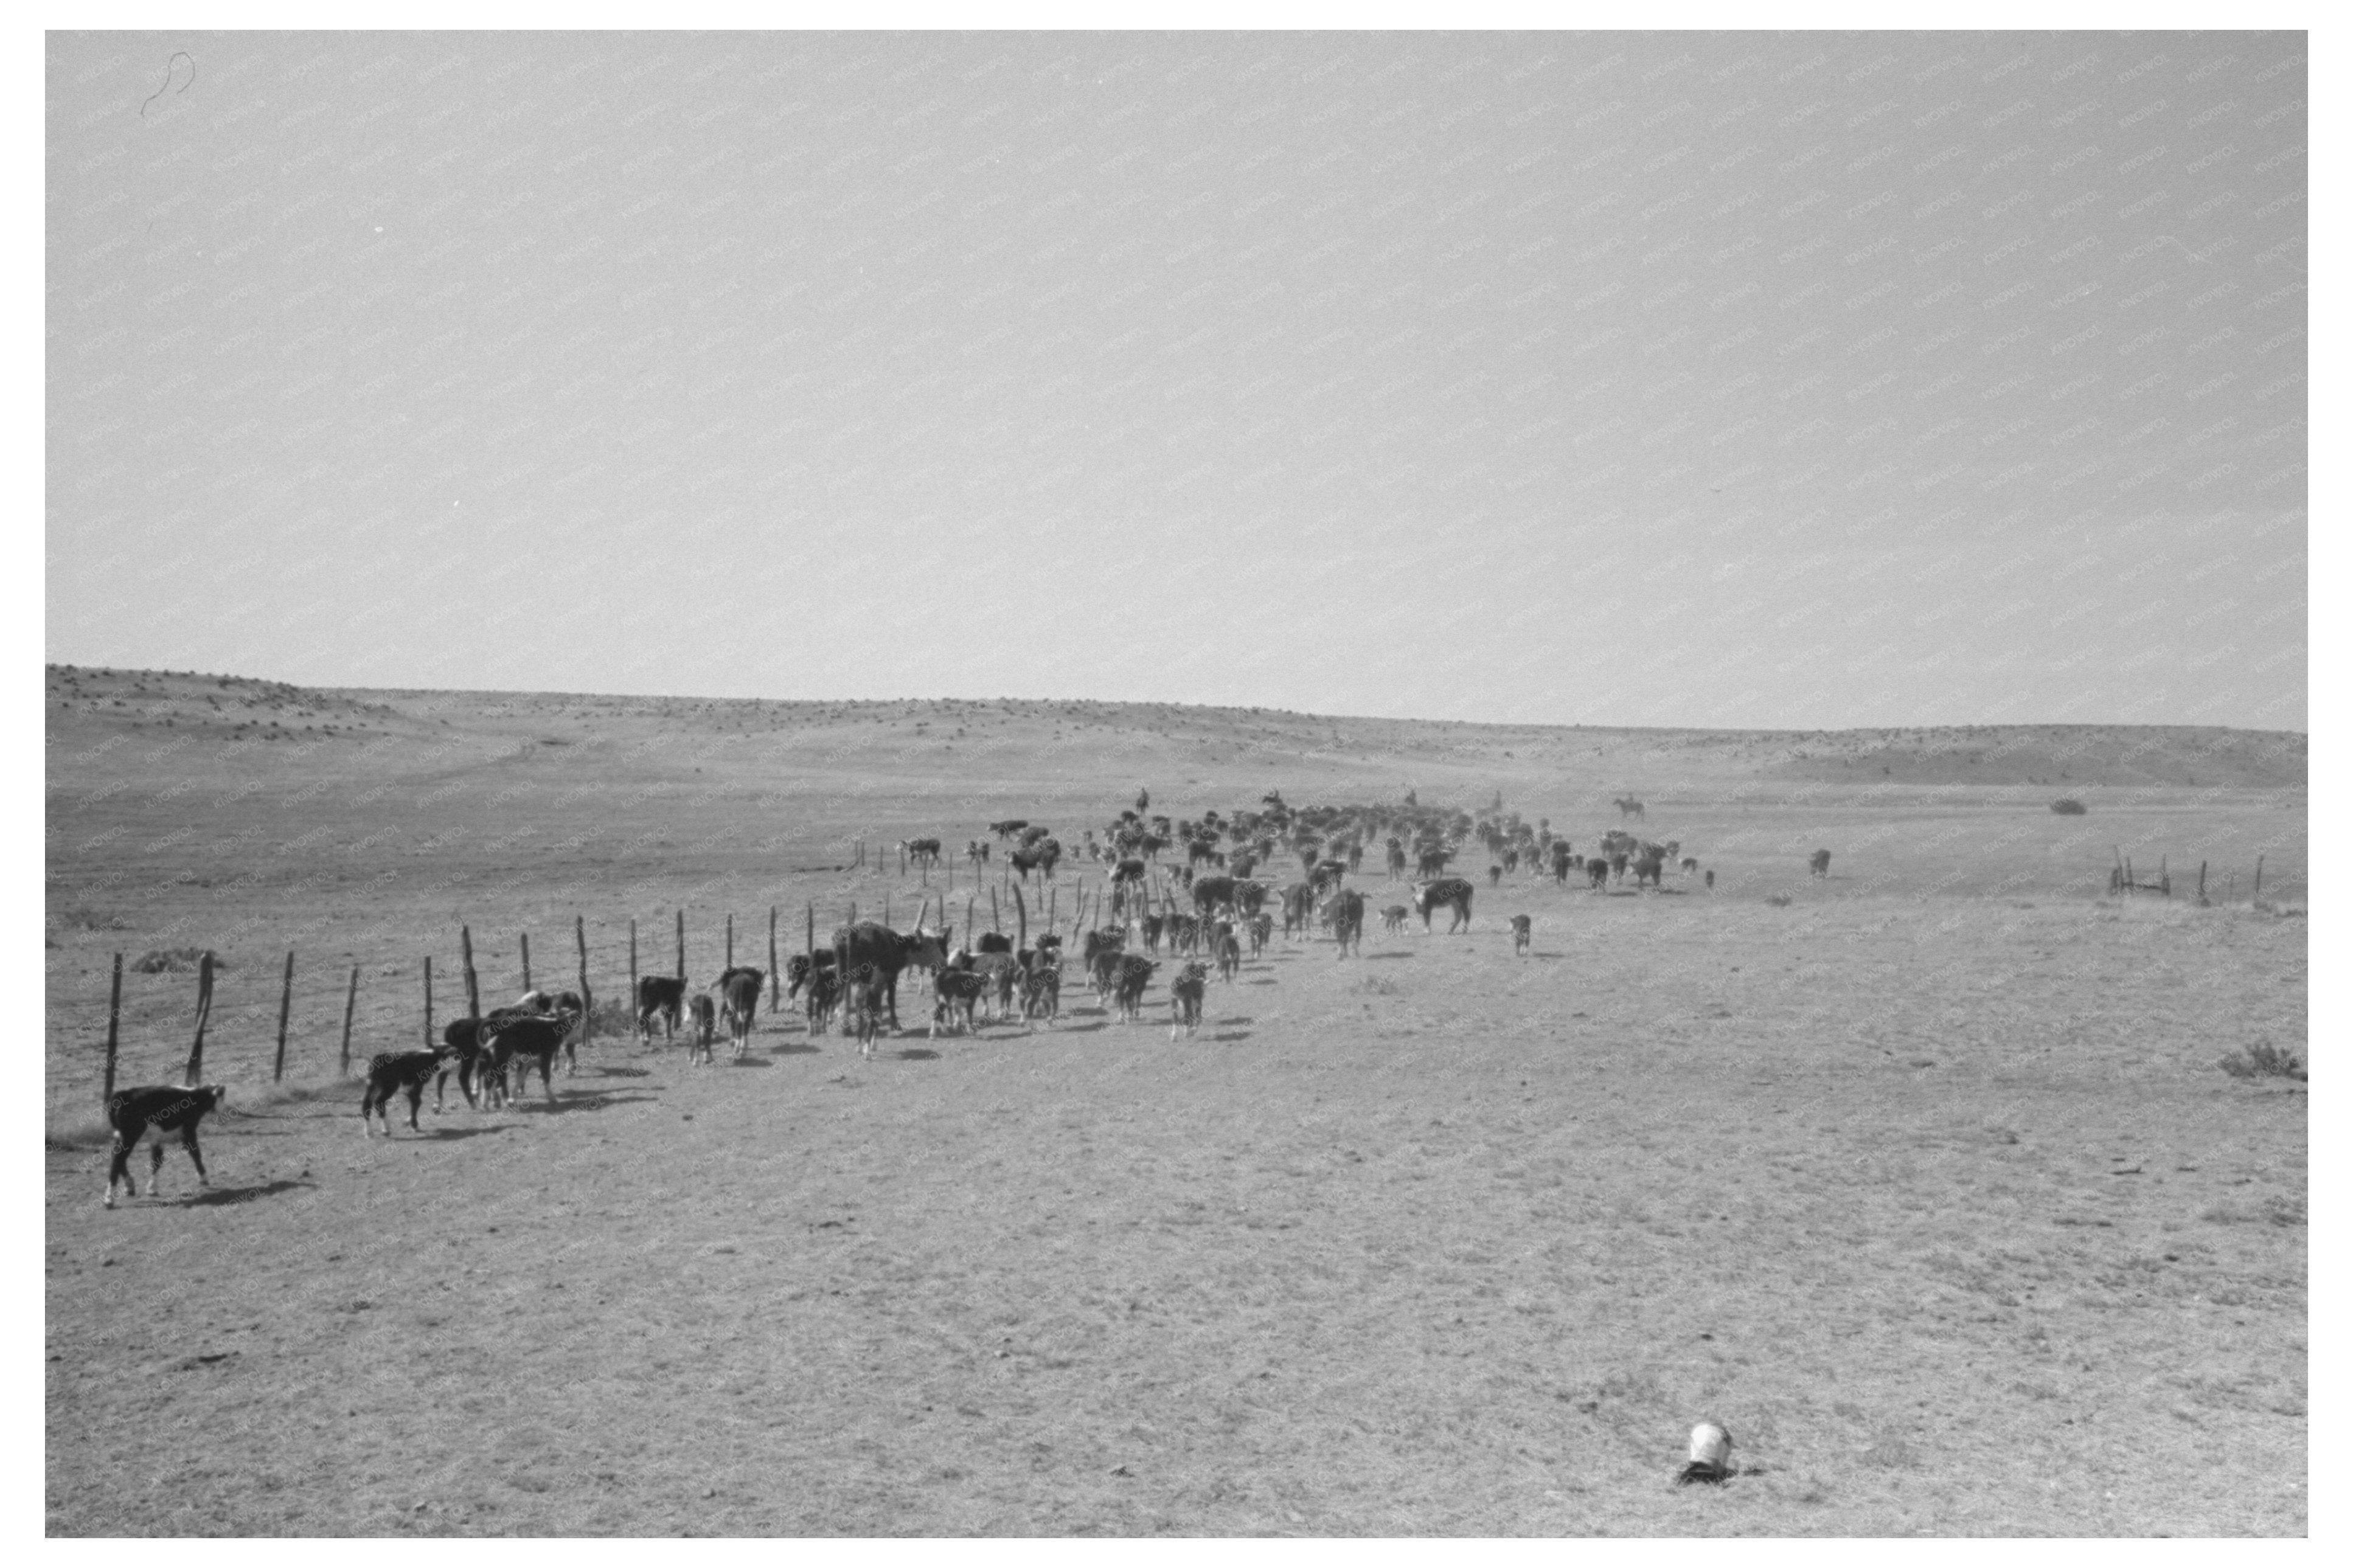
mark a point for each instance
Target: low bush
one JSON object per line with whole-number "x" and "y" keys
{"x": 2263, "y": 1059}
{"x": 175, "y": 960}
{"x": 2069, "y": 807}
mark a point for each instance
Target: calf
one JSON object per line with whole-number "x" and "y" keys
{"x": 1153, "y": 925}
{"x": 168, "y": 1108}
{"x": 992, "y": 942}
{"x": 1691, "y": 864}
{"x": 1127, "y": 990}
{"x": 801, "y": 965}
{"x": 1521, "y": 926}
{"x": 1494, "y": 874}
{"x": 1597, "y": 873}
{"x": 1349, "y": 920}
{"x": 1648, "y": 869}
{"x": 698, "y": 1048}
{"x": 863, "y": 1000}
{"x": 1262, "y": 927}
{"x": 1230, "y": 957}
{"x": 954, "y": 991}
{"x": 529, "y": 1040}
{"x": 1041, "y": 994}
{"x": 824, "y": 997}
{"x": 395, "y": 1072}
{"x": 462, "y": 1053}
{"x": 662, "y": 994}
{"x": 1393, "y": 918}
{"x": 739, "y": 1000}
{"x": 1819, "y": 863}
{"x": 1185, "y": 999}
{"x": 1184, "y": 932}
{"x": 1709, "y": 874}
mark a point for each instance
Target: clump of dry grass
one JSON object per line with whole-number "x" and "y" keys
{"x": 2263, "y": 1059}
{"x": 1778, "y": 900}
{"x": 2069, "y": 806}
{"x": 89, "y": 919}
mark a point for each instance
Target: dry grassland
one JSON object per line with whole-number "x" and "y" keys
{"x": 1924, "y": 1181}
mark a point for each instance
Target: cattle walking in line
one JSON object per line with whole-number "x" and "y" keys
{"x": 739, "y": 1004}
{"x": 1127, "y": 991}
{"x": 1349, "y": 920}
{"x": 1522, "y": 928}
{"x": 1820, "y": 864}
{"x": 394, "y": 1072}
{"x": 1185, "y": 995}
{"x": 704, "y": 1026}
{"x": 1453, "y": 893}
{"x": 166, "y": 1108}
{"x": 1393, "y": 919}
{"x": 659, "y": 994}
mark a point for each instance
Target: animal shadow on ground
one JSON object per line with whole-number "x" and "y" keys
{"x": 1371, "y": 955}
{"x": 1532, "y": 953}
{"x": 1085, "y": 1012}
{"x": 916, "y": 1054}
{"x": 624, "y": 1072}
{"x": 1082, "y": 1028}
{"x": 444, "y": 1132}
{"x": 1229, "y": 1023}
{"x": 803, "y": 1049}
{"x": 752, "y": 1062}
{"x": 1232, "y": 1035}
{"x": 1267, "y": 981}
{"x": 213, "y": 1197}
{"x": 590, "y": 1099}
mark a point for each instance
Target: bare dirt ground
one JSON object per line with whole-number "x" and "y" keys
{"x": 1924, "y": 1181}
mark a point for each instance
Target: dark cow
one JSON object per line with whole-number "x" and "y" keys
{"x": 923, "y": 853}
{"x": 1040, "y": 859}
{"x": 662, "y": 994}
{"x": 1260, "y": 928}
{"x": 1152, "y": 925}
{"x": 394, "y": 1072}
{"x": 1618, "y": 860}
{"x": 739, "y": 1004}
{"x": 1213, "y": 894}
{"x": 1597, "y": 873}
{"x": 1250, "y": 898}
{"x": 463, "y": 1055}
{"x": 1521, "y": 927}
{"x": 1691, "y": 864}
{"x": 1396, "y": 860}
{"x": 1433, "y": 861}
{"x": 889, "y": 952}
{"x": 1127, "y": 990}
{"x": 824, "y": 997}
{"x": 1185, "y": 999}
{"x": 1711, "y": 878}
{"x": 992, "y": 942}
{"x": 1561, "y": 856}
{"x": 1102, "y": 972}
{"x": 1007, "y": 829}
{"x": 1648, "y": 869}
{"x": 527, "y": 1041}
{"x": 1820, "y": 863}
{"x": 1494, "y": 876}
{"x": 1184, "y": 932}
{"x": 1453, "y": 893}
{"x": 1111, "y": 939}
{"x": 1230, "y": 957}
{"x": 1349, "y": 920}
{"x": 166, "y": 1108}
{"x": 704, "y": 1018}
{"x": 1041, "y": 994}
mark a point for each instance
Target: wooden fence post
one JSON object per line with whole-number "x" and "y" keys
{"x": 285, "y": 1006}
{"x": 681, "y": 946}
{"x": 730, "y": 941}
{"x": 886, "y": 908}
{"x": 2259, "y": 876}
{"x": 429, "y": 1001}
{"x": 809, "y": 933}
{"x": 587, "y": 1000}
{"x": 196, "y": 1070}
{"x": 1022, "y": 913}
{"x": 992, "y": 909}
{"x": 473, "y": 990}
{"x": 633, "y": 966}
{"x": 775, "y": 989}
{"x": 525, "y": 939}
{"x": 351, "y": 1002}
{"x": 113, "y": 1027}
{"x": 2201, "y": 881}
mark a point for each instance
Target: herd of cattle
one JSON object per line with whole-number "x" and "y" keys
{"x": 853, "y": 984}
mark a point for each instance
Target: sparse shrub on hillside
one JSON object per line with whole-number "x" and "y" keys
{"x": 1780, "y": 901}
{"x": 2068, "y": 807}
{"x": 175, "y": 960}
{"x": 90, "y": 919}
{"x": 2263, "y": 1059}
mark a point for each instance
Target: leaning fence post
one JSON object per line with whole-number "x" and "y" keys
{"x": 774, "y": 988}
{"x": 681, "y": 946}
{"x": 992, "y": 909}
{"x": 525, "y": 939}
{"x": 2259, "y": 876}
{"x": 730, "y": 942}
{"x": 587, "y": 1000}
{"x": 351, "y": 1001}
{"x": 473, "y": 990}
{"x": 2201, "y": 881}
{"x": 429, "y": 1001}
{"x": 633, "y": 965}
{"x": 285, "y": 1006}
{"x": 114, "y": 1026}
{"x": 196, "y": 1070}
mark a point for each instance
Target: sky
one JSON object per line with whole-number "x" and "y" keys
{"x": 1801, "y": 380}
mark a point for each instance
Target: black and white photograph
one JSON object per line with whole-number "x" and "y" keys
{"x": 1265, "y": 777}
